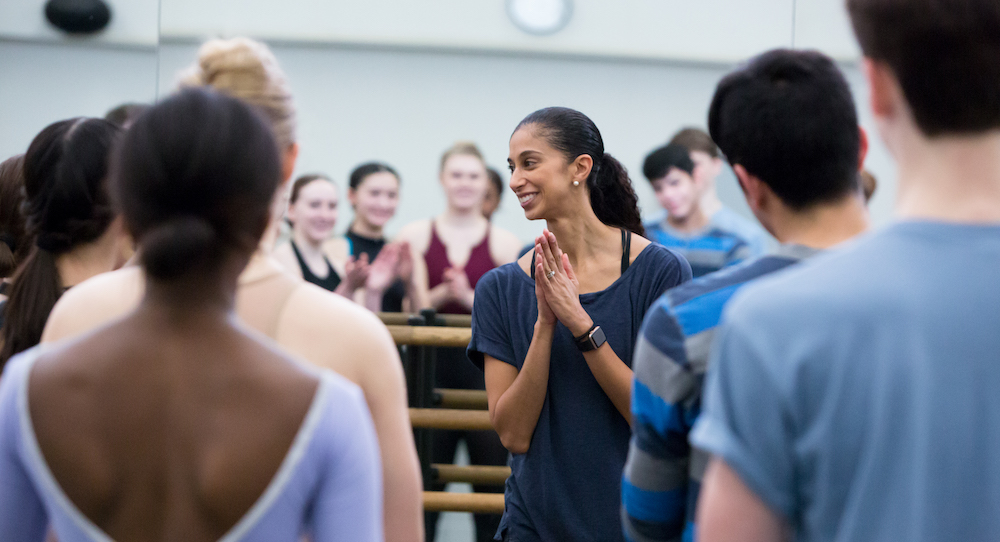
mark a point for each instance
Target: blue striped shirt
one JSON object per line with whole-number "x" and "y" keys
{"x": 663, "y": 474}
{"x": 707, "y": 251}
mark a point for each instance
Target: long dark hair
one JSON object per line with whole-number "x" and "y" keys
{"x": 14, "y": 243}
{"x": 574, "y": 134}
{"x": 66, "y": 205}
{"x": 195, "y": 177}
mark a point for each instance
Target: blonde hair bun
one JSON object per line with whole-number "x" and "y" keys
{"x": 246, "y": 69}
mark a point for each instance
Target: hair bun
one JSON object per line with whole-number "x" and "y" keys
{"x": 178, "y": 246}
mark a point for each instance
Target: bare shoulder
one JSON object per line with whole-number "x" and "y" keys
{"x": 94, "y": 302}
{"x": 331, "y": 331}
{"x": 417, "y": 233}
{"x": 638, "y": 244}
{"x": 504, "y": 245}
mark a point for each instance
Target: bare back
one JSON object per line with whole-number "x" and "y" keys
{"x": 160, "y": 432}
{"x": 320, "y": 327}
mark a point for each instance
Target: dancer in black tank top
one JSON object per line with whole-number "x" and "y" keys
{"x": 329, "y": 282}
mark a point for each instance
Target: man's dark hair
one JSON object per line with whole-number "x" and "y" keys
{"x": 696, "y": 139}
{"x": 789, "y": 119}
{"x": 945, "y": 54}
{"x": 659, "y": 162}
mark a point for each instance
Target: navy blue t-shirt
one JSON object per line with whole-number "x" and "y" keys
{"x": 568, "y": 485}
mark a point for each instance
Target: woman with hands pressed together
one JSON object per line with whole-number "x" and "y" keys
{"x": 555, "y": 331}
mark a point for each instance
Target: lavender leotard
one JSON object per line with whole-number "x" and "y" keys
{"x": 328, "y": 486}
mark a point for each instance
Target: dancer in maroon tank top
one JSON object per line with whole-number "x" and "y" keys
{"x": 459, "y": 247}
{"x": 480, "y": 261}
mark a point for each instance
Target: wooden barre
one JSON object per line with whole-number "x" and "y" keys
{"x": 472, "y": 474}
{"x": 403, "y": 319}
{"x": 467, "y": 399}
{"x": 430, "y": 336}
{"x": 450, "y": 420}
{"x": 477, "y": 503}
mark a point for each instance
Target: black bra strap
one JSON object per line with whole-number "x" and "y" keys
{"x": 626, "y": 248}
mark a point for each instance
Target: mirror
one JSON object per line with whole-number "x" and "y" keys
{"x": 49, "y": 75}
{"x": 400, "y": 82}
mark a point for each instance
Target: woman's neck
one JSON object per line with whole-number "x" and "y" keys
{"x": 584, "y": 239}
{"x": 461, "y": 218}
{"x": 89, "y": 259}
{"x": 305, "y": 244}
{"x": 362, "y": 227}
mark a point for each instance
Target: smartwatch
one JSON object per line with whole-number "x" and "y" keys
{"x": 592, "y": 339}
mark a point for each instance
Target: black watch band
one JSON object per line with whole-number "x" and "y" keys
{"x": 592, "y": 339}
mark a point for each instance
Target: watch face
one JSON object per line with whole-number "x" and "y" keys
{"x": 540, "y": 17}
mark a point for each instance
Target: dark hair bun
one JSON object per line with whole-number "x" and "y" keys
{"x": 178, "y": 246}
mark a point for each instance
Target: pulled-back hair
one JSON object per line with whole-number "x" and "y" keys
{"x": 195, "y": 177}
{"x": 247, "y": 69}
{"x": 303, "y": 180}
{"x": 462, "y": 148}
{"x": 66, "y": 205}
{"x": 945, "y": 54}
{"x": 789, "y": 119}
{"x": 573, "y": 134}
{"x": 14, "y": 242}
{"x": 362, "y": 172}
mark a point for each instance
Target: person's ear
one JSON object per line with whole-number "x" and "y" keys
{"x": 352, "y": 197}
{"x": 884, "y": 93}
{"x": 580, "y": 169}
{"x": 862, "y": 147}
{"x": 753, "y": 189}
{"x": 288, "y": 161}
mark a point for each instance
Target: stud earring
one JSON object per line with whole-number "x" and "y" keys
{"x": 576, "y": 183}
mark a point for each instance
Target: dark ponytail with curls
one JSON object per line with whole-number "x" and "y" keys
{"x": 66, "y": 205}
{"x": 573, "y": 133}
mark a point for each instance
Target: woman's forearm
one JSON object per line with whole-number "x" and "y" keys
{"x": 516, "y": 412}
{"x": 614, "y": 377}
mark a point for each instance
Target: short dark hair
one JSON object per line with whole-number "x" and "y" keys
{"x": 788, "y": 118}
{"x": 659, "y": 162}
{"x": 946, "y": 56}
{"x": 696, "y": 139}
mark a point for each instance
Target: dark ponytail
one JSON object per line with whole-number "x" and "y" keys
{"x": 611, "y": 194}
{"x": 195, "y": 177}
{"x": 66, "y": 205}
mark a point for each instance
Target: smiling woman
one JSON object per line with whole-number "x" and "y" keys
{"x": 554, "y": 332}
{"x": 312, "y": 213}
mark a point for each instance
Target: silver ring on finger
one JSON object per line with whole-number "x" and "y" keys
{"x": 550, "y": 274}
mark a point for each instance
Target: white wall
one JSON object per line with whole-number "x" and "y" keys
{"x": 134, "y": 23}
{"x": 704, "y": 30}
{"x": 406, "y": 107}
{"x": 41, "y": 83}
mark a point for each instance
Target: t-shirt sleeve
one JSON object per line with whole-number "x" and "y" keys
{"x": 745, "y": 420}
{"x": 22, "y": 514}
{"x": 349, "y": 503}
{"x": 655, "y": 479}
{"x": 669, "y": 270}
{"x": 490, "y": 324}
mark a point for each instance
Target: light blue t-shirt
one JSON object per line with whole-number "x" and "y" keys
{"x": 858, "y": 394}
